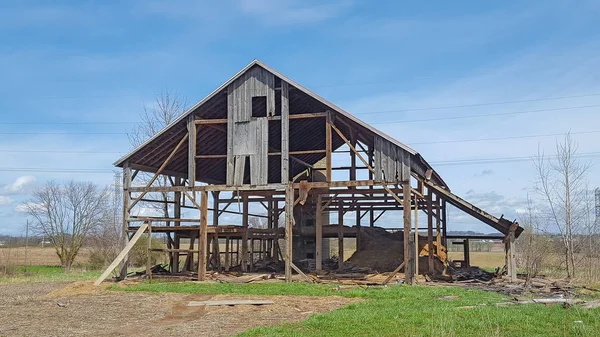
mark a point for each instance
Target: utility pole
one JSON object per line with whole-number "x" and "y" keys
{"x": 26, "y": 244}
{"x": 597, "y": 194}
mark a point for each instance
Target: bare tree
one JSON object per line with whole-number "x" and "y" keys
{"x": 66, "y": 214}
{"x": 532, "y": 246}
{"x": 561, "y": 184}
{"x": 167, "y": 106}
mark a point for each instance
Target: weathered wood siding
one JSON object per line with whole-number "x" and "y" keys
{"x": 391, "y": 163}
{"x": 247, "y": 136}
{"x": 285, "y": 132}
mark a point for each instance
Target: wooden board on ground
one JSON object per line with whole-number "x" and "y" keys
{"x": 228, "y": 302}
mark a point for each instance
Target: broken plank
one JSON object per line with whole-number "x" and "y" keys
{"x": 228, "y": 302}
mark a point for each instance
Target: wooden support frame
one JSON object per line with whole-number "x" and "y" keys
{"x": 289, "y": 222}
{"x": 409, "y": 277}
{"x": 341, "y": 235}
{"x": 245, "y": 234}
{"x": 122, "y": 255}
{"x": 328, "y": 147}
{"x": 203, "y": 235}
{"x": 127, "y": 178}
{"x": 192, "y": 132}
{"x": 319, "y": 233}
{"x": 431, "y": 250}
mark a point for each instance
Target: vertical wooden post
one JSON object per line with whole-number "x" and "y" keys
{"x": 215, "y": 245}
{"x": 237, "y": 251}
{"x": 511, "y": 265}
{"x": 270, "y": 226}
{"x": 125, "y": 224}
{"x": 275, "y": 255}
{"x": 341, "y": 234}
{"x": 352, "y": 175}
{"x": 319, "y": 233}
{"x": 252, "y": 242}
{"x": 358, "y": 227}
{"x": 328, "y": 147}
{"x": 149, "y": 253}
{"x": 245, "y": 232}
{"x": 177, "y": 238}
{"x": 438, "y": 221}
{"x": 408, "y": 272}
{"x": 191, "y": 126}
{"x": 189, "y": 259}
{"x": 227, "y": 253}
{"x": 466, "y": 253}
{"x": 444, "y": 222}
{"x": 289, "y": 221}
{"x": 430, "y": 258}
{"x": 371, "y": 217}
{"x": 285, "y": 128}
{"x": 203, "y": 236}
{"x": 416, "y": 238}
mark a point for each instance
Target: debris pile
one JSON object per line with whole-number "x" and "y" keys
{"x": 382, "y": 251}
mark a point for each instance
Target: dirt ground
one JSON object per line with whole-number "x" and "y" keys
{"x": 80, "y": 309}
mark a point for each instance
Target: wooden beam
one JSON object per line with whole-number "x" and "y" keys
{"x": 358, "y": 217}
{"x": 216, "y": 248}
{"x": 203, "y": 235}
{"x": 191, "y": 126}
{"x": 319, "y": 233}
{"x": 148, "y": 254}
{"x": 285, "y": 133}
{"x": 159, "y": 171}
{"x": 328, "y": 147}
{"x": 289, "y": 222}
{"x": 300, "y": 272}
{"x": 127, "y": 178}
{"x": 245, "y": 234}
{"x": 416, "y": 238}
{"x": 512, "y": 258}
{"x": 430, "y": 258}
{"x": 393, "y": 273}
{"x": 122, "y": 254}
{"x": 408, "y": 274}
{"x": 341, "y": 235}
{"x": 271, "y": 118}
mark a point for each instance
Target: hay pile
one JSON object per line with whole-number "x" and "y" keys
{"x": 381, "y": 251}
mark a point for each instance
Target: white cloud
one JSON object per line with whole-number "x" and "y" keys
{"x": 20, "y": 185}
{"x": 26, "y": 206}
{"x": 4, "y": 200}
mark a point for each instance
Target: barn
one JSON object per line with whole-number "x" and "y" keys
{"x": 262, "y": 146}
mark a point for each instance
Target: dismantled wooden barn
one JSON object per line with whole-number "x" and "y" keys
{"x": 264, "y": 147}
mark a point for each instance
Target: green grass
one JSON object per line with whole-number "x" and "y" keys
{"x": 407, "y": 311}
{"x": 47, "y": 274}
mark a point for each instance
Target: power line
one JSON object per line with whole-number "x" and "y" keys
{"x": 503, "y": 160}
{"x": 59, "y": 151}
{"x": 55, "y": 170}
{"x": 479, "y": 104}
{"x": 385, "y": 122}
{"x": 484, "y": 115}
{"x": 501, "y": 138}
{"x": 357, "y": 113}
{"x": 63, "y": 123}
{"x": 63, "y": 133}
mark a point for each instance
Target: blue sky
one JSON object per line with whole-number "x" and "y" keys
{"x": 87, "y": 61}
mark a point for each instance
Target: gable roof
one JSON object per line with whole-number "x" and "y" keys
{"x": 304, "y": 90}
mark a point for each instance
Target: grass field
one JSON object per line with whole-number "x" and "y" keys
{"x": 407, "y": 311}
{"x": 23, "y": 274}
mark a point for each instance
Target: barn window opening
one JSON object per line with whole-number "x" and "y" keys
{"x": 259, "y": 106}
